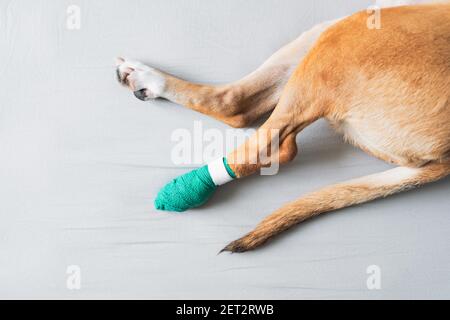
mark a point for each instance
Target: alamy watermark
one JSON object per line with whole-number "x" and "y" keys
{"x": 374, "y": 279}
{"x": 198, "y": 146}
{"x": 73, "y": 19}
{"x": 374, "y": 18}
{"x": 73, "y": 280}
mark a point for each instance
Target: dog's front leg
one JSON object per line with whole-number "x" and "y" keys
{"x": 273, "y": 144}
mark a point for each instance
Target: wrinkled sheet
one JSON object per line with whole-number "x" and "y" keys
{"x": 82, "y": 160}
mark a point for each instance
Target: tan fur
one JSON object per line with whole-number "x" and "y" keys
{"x": 386, "y": 90}
{"x": 336, "y": 197}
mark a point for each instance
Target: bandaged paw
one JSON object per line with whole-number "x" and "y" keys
{"x": 195, "y": 188}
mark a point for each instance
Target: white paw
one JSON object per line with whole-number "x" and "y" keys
{"x": 146, "y": 82}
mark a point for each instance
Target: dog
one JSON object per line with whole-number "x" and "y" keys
{"x": 386, "y": 90}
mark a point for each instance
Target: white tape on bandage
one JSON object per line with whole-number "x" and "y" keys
{"x": 218, "y": 172}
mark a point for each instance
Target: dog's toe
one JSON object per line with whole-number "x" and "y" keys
{"x": 123, "y": 69}
{"x": 119, "y": 76}
{"x": 141, "y": 94}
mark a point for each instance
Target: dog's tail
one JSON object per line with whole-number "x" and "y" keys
{"x": 337, "y": 197}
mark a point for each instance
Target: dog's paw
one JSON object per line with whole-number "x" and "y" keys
{"x": 146, "y": 82}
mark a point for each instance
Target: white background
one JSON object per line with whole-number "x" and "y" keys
{"x": 82, "y": 160}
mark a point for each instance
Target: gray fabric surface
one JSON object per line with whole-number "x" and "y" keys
{"x": 82, "y": 160}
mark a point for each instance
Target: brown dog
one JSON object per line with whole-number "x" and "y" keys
{"x": 387, "y": 90}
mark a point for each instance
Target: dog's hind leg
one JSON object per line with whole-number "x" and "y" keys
{"x": 337, "y": 197}
{"x": 238, "y": 104}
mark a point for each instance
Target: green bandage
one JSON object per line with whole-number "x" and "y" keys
{"x": 195, "y": 188}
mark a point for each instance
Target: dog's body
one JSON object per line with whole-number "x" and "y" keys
{"x": 386, "y": 90}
